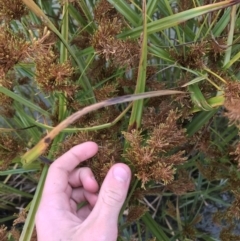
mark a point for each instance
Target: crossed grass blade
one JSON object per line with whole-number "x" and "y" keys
{"x": 178, "y": 18}
{"x": 137, "y": 110}
{"x": 37, "y": 150}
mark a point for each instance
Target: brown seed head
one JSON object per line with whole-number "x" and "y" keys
{"x": 12, "y": 49}
{"x": 14, "y": 9}
{"x": 232, "y": 102}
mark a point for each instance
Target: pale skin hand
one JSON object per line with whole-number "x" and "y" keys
{"x": 57, "y": 217}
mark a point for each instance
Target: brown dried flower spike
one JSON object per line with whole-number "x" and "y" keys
{"x": 121, "y": 53}
{"x": 13, "y": 9}
{"x": 151, "y": 160}
{"x": 232, "y": 102}
{"x": 52, "y": 76}
{"x": 12, "y": 49}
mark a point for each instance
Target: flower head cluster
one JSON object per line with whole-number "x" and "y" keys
{"x": 156, "y": 158}
{"x": 6, "y": 102}
{"x": 10, "y": 146}
{"x": 12, "y": 49}
{"x": 194, "y": 58}
{"x": 236, "y": 154}
{"x": 13, "y": 9}
{"x": 232, "y": 102}
{"x": 53, "y": 76}
{"x": 120, "y": 52}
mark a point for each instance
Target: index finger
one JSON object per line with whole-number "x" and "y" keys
{"x": 58, "y": 173}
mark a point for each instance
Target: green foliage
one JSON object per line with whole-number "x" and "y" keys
{"x": 61, "y": 56}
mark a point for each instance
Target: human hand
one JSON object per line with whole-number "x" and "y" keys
{"x": 58, "y": 218}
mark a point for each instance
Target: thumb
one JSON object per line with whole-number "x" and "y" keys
{"x": 111, "y": 197}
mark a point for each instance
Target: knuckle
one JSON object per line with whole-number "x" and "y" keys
{"x": 112, "y": 197}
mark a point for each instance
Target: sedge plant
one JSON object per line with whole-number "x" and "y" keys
{"x": 66, "y": 58}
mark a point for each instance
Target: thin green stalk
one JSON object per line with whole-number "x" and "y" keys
{"x": 211, "y": 23}
{"x": 178, "y": 217}
{"x": 74, "y": 13}
{"x": 216, "y": 75}
{"x": 139, "y": 231}
{"x": 222, "y": 23}
{"x": 228, "y": 51}
{"x": 63, "y": 59}
{"x": 151, "y": 7}
{"x": 87, "y": 13}
{"x": 28, "y": 227}
{"x": 136, "y": 115}
{"x": 167, "y": 4}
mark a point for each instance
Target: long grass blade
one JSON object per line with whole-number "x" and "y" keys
{"x": 136, "y": 115}
{"x": 84, "y": 80}
{"x": 178, "y": 18}
{"x": 36, "y": 151}
{"x": 23, "y": 101}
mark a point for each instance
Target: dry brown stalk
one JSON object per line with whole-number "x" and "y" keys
{"x": 42, "y": 145}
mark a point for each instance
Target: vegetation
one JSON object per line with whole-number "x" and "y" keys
{"x": 57, "y": 57}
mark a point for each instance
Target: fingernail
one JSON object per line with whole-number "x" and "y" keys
{"x": 120, "y": 174}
